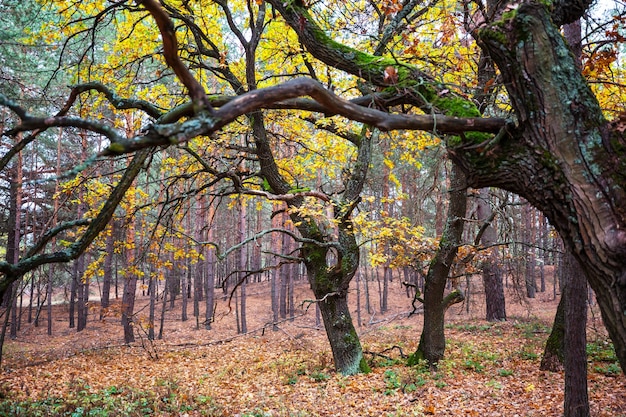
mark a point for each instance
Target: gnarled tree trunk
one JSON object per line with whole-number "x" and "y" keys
{"x": 562, "y": 155}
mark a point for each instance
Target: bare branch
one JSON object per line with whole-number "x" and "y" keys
{"x": 222, "y": 255}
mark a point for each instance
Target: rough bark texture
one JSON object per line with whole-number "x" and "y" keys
{"x": 432, "y": 343}
{"x": 562, "y": 156}
{"x": 576, "y": 399}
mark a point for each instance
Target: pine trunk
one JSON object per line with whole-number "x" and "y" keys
{"x": 576, "y": 399}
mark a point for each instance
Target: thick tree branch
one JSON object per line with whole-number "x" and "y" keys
{"x": 201, "y": 125}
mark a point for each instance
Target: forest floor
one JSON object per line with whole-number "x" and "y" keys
{"x": 490, "y": 369}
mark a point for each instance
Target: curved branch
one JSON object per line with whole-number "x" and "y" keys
{"x": 52, "y": 233}
{"x": 222, "y": 255}
{"x": 201, "y": 125}
{"x": 116, "y": 101}
{"x": 170, "y": 52}
{"x": 13, "y": 272}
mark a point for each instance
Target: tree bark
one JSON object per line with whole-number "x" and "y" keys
{"x": 529, "y": 258}
{"x": 492, "y": 275}
{"x": 128, "y": 306}
{"x": 554, "y": 351}
{"x": 432, "y": 342}
{"x": 563, "y": 139}
{"x": 49, "y": 298}
{"x": 107, "y": 277}
{"x": 576, "y": 399}
{"x": 82, "y": 288}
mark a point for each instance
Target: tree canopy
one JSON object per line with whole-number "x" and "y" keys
{"x": 208, "y": 90}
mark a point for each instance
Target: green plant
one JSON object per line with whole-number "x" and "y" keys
{"x": 392, "y": 382}
{"x": 504, "y": 372}
{"x": 531, "y": 329}
{"x": 601, "y": 351}
{"x": 440, "y": 384}
{"x": 528, "y": 355}
{"x": 473, "y": 365}
{"x": 319, "y": 376}
{"x": 612, "y": 369}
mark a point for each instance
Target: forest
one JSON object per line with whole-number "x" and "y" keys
{"x": 312, "y": 207}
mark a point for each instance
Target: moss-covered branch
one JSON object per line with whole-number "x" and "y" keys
{"x": 434, "y": 97}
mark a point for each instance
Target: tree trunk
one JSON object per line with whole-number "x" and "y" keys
{"x": 243, "y": 264}
{"x": 358, "y": 300}
{"x": 284, "y": 279}
{"x": 343, "y": 338}
{"x": 529, "y": 258}
{"x": 274, "y": 295}
{"x": 184, "y": 291}
{"x": 385, "y": 293}
{"x": 492, "y": 275}
{"x": 153, "y": 289}
{"x": 82, "y": 296}
{"x": 209, "y": 282}
{"x": 128, "y": 306}
{"x": 108, "y": 274}
{"x": 554, "y": 351}
{"x": 432, "y": 342}
{"x": 73, "y": 289}
{"x": 562, "y": 138}
{"x": 49, "y": 298}
{"x": 576, "y": 398}
{"x": 163, "y": 310}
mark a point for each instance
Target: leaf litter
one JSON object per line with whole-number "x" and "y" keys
{"x": 490, "y": 369}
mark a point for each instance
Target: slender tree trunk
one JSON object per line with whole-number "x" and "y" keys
{"x": 432, "y": 342}
{"x": 358, "y": 300}
{"x": 243, "y": 264}
{"x": 153, "y": 290}
{"x": 108, "y": 273}
{"x": 73, "y": 289}
{"x": 531, "y": 284}
{"x": 368, "y": 304}
{"x": 163, "y": 310}
{"x": 209, "y": 281}
{"x": 274, "y": 295}
{"x": 31, "y": 299}
{"x": 209, "y": 289}
{"x": 385, "y": 294}
{"x": 291, "y": 283}
{"x": 576, "y": 398}
{"x": 49, "y": 297}
{"x": 184, "y": 292}
{"x": 284, "y": 279}
{"x": 128, "y": 307}
{"x": 82, "y": 289}
{"x": 492, "y": 274}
